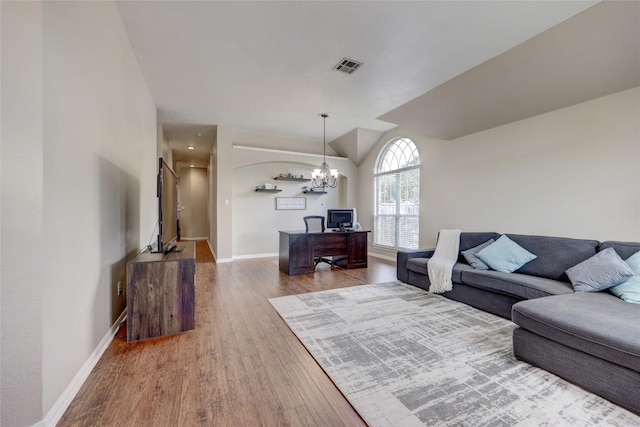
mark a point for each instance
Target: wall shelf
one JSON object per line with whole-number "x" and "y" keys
{"x": 288, "y": 178}
{"x": 314, "y": 192}
{"x": 268, "y": 190}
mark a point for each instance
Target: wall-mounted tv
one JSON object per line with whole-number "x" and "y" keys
{"x": 340, "y": 218}
{"x": 167, "y": 208}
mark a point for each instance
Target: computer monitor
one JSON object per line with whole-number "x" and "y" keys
{"x": 340, "y": 218}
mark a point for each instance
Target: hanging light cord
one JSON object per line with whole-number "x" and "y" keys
{"x": 324, "y": 136}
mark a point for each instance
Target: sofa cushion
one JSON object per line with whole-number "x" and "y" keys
{"x": 624, "y": 249}
{"x": 518, "y": 285}
{"x": 602, "y": 271}
{"x": 419, "y": 265}
{"x": 595, "y": 323}
{"x": 555, "y": 254}
{"x": 505, "y": 255}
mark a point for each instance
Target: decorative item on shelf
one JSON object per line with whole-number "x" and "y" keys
{"x": 314, "y": 191}
{"x": 324, "y": 176}
{"x": 269, "y": 188}
{"x": 293, "y": 176}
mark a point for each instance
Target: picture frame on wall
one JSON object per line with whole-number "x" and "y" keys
{"x": 291, "y": 203}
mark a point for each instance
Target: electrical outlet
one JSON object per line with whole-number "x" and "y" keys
{"x": 120, "y": 290}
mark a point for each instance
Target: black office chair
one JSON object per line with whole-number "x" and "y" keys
{"x": 315, "y": 224}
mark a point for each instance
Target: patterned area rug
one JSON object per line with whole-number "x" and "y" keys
{"x": 404, "y": 357}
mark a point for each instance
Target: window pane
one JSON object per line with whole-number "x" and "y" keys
{"x": 410, "y": 192}
{"x": 401, "y": 153}
{"x": 385, "y": 230}
{"x": 386, "y": 196}
{"x": 408, "y": 237}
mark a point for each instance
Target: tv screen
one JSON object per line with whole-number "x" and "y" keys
{"x": 167, "y": 207}
{"x": 340, "y": 218}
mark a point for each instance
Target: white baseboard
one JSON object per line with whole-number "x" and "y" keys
{"x": 193, "y": 238}
{"x": 388, "y": 258}
{"x": 255, "y": 256}
{"x": 63, "y": 402}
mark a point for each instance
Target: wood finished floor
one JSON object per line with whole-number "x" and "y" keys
{"x": 241, "y": 366}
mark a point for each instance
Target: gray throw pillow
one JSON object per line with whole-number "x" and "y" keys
{"x": 602, "y": 271}
{"x": 473, "y": 260}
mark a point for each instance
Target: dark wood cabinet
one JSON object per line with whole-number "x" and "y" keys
{"x": 298, "y": 249}
{"x": 295, "y": 253}
{"x": 161, "y": 293}
{"x": 357, "y": 250}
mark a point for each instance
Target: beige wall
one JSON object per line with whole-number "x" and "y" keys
{"x": 224, "y": 206}
{"x": 573, "y": 172}
{"x": 93, "y": 204}
{"x": 213, "y": 196}
{"x": 256, "y": 222}
{"x": 21, "y": 213}
{"x": 100, "y": 120}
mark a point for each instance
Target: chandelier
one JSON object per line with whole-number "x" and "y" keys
{"x": 324, "y": 176}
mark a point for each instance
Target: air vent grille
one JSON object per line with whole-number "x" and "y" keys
{"x": 347, "y": 65}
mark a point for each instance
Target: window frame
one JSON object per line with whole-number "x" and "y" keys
{"x": 398, "y": 211}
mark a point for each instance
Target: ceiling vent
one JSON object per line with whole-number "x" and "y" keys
{"x": 347, "y": 65}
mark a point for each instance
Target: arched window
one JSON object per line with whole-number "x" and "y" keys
{"x": 397, "y": 201}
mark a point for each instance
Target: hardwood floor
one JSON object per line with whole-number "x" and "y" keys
{"x": 241, "y": 366}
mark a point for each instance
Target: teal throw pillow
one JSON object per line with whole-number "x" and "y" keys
{"x": 629, "y": 291}
{"x": 602, "y": 271}
{"x": 505, "y": 255}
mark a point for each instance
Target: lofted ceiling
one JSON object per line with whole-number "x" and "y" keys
{"x": 593, "y": 54}
{"x": 267, "y": 66}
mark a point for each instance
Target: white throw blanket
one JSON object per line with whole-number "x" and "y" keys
{"x": 440, "y": 265}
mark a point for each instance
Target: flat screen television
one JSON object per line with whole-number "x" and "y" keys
{"x": 339, "y": 218}
{"x": 167, "y": 208}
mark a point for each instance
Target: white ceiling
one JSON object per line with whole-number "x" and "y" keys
{"x": 266, "y": 66}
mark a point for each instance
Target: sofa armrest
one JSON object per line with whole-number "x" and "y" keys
{"x": 403, "y": 256}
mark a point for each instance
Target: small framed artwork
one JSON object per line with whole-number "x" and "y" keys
{"x": 291, "y": 203}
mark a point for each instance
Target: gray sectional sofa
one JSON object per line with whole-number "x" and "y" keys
{"x": 590, "y": 339}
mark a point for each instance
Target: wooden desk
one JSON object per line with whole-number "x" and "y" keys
{"x": 298, "y": 249}
{"x": 161, "y": 293}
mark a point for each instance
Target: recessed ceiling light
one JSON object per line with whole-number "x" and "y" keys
{"x": 191, "y": 147}
{"x": 192, "y": 166}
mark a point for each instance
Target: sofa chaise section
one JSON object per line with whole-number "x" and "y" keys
{"x": 589, "y": 339}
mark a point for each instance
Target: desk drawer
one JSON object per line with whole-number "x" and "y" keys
{"x": 330, "y": 244}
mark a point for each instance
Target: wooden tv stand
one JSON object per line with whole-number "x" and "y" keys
{"x": 298, "y": 249}
{"x": 161, "y": 293}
